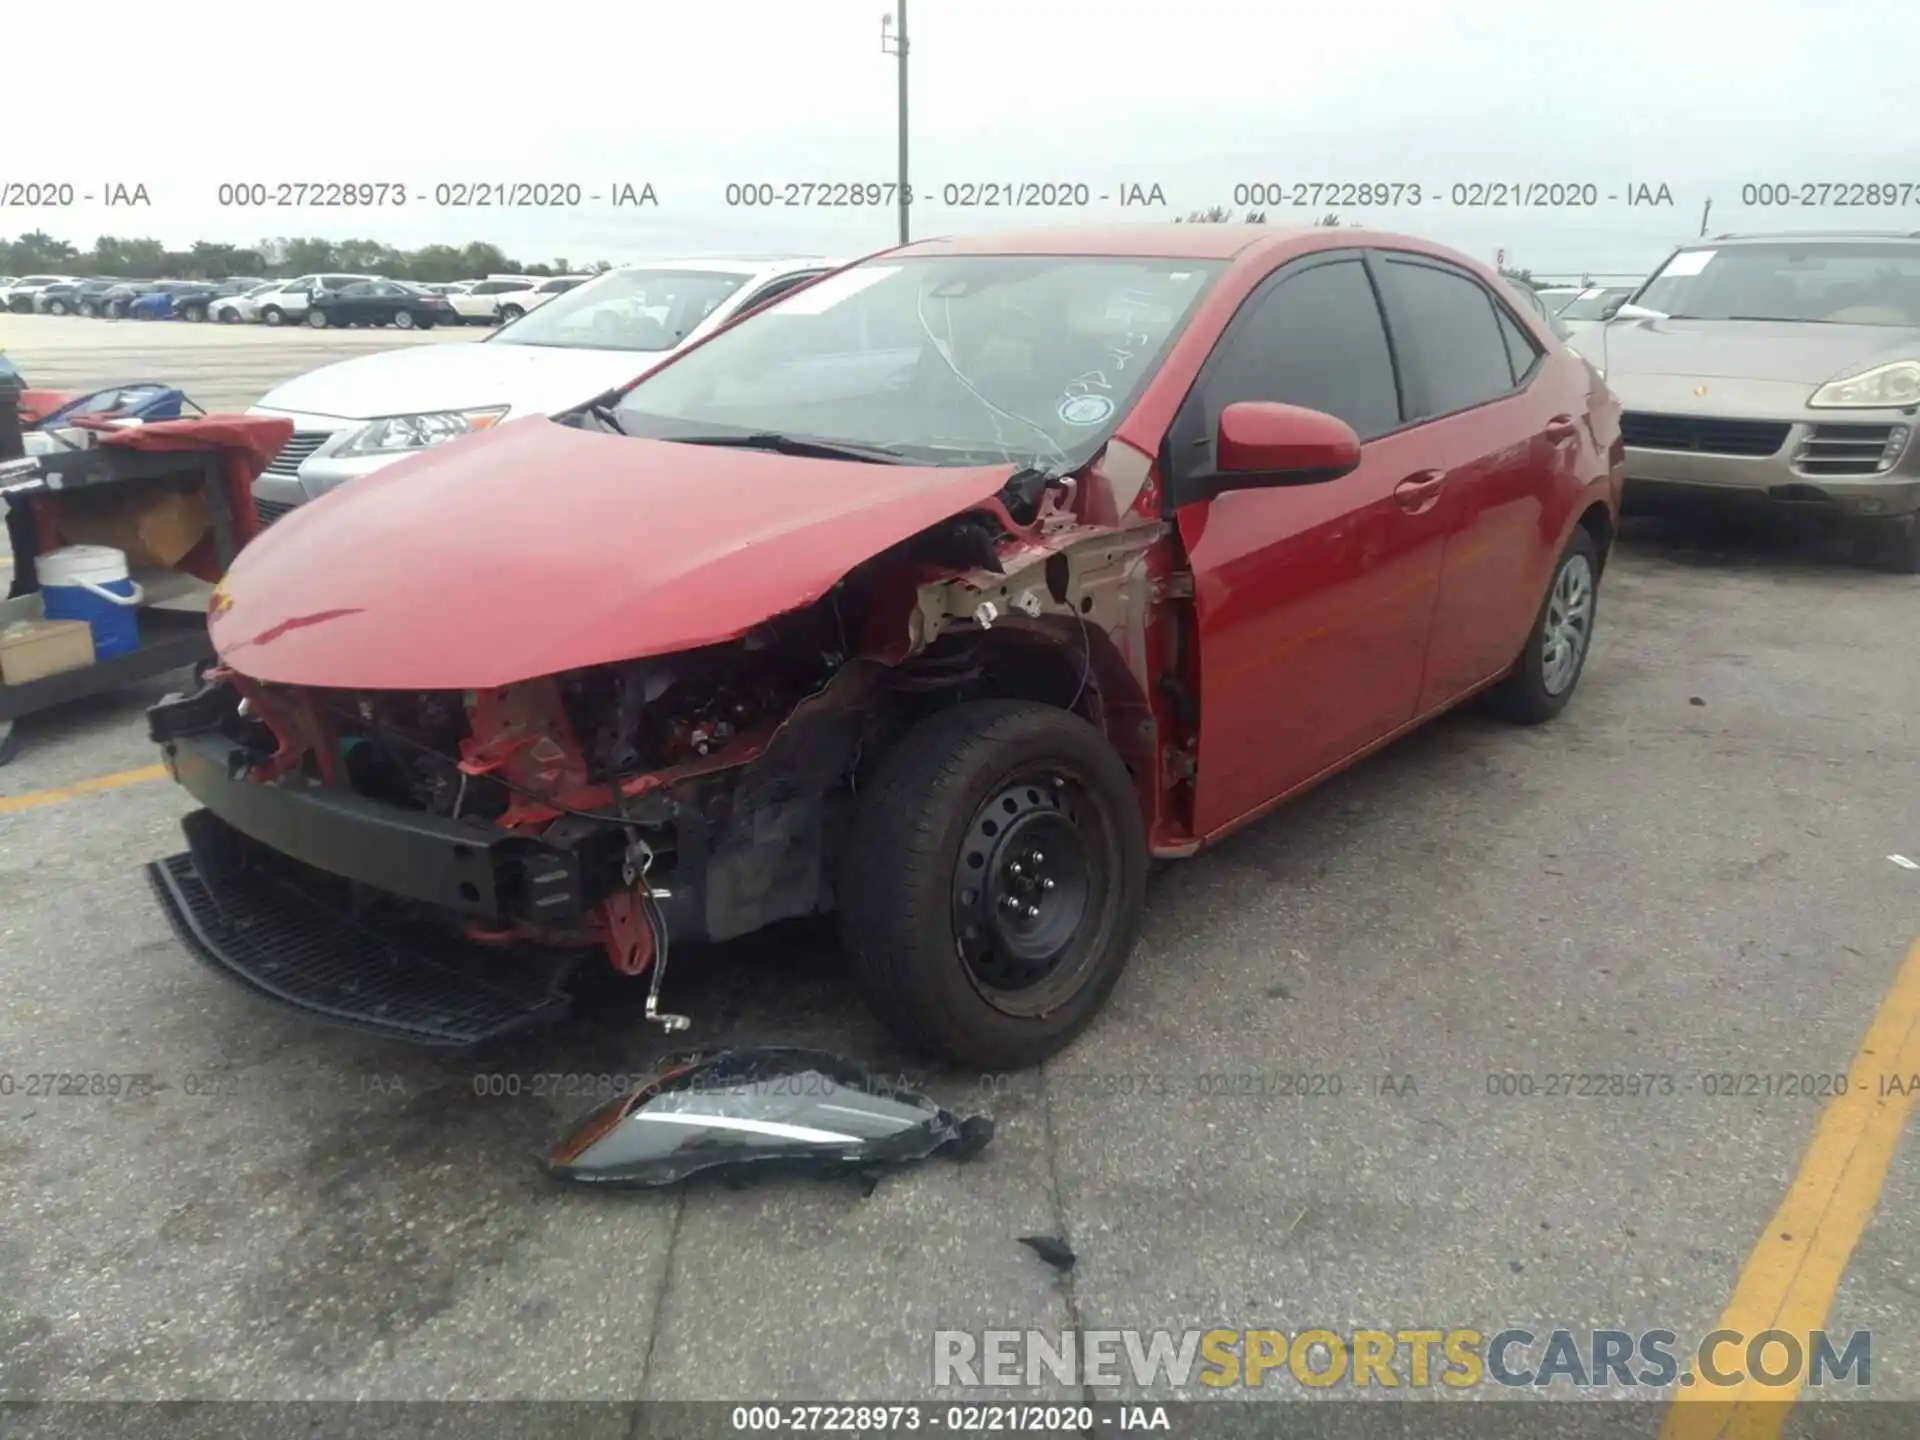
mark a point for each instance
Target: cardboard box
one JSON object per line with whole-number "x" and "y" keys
{"x": 35, "y": 649}
{"x": 154, "y": 527}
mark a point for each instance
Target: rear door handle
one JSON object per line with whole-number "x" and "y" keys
{"x": 1562, "y": 427}
{"x": 1419, "y": 492}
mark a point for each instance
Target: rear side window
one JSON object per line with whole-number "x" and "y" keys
{"x": 1453, "y": 326}
{"x": 1522, "y": 353}
{"x": 1315, "y": 339}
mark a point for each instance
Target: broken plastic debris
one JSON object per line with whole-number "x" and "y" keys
{"x": 760, "y": 1111}
{"x": 1903, "y": 862}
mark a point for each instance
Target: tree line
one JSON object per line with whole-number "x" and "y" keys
{"x": 146, "y": 259}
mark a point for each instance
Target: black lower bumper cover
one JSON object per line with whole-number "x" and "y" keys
{"x": 288, "y": 942}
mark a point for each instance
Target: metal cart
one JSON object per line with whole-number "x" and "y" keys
{"x": 169, "y": 639}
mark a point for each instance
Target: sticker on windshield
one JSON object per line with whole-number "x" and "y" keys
{"x": 1687, "y": 262}
{"x": 823, "y": 295}
{"x": 1085, "y": 410}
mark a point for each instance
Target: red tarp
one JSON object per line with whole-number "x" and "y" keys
{"x": 246, "y": 444}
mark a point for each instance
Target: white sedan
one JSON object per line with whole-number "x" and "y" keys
{"x": 241, "y": 308}
{"x": 515, "y": 303}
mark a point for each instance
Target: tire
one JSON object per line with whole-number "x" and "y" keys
{"x": 226, "y": 317}
{"x": 317, "y": 318}
{"x": 1892, "y": 545}
{"x": 273, "y": 315}
{"x": 194, "y": 314}
{"x": 56, "y": 307}
{"x": 1540, "y": 684}
{"x": 936, "y": 813}
{"x": 116, "y": 311}
{"x": 427, "y": 324}
{"x": 89, "y": 309}
{"x": 510, "y": 313}
{"x": 403, "y": 319}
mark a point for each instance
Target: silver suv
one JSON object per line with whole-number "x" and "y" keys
{"x": 1779, "y": 369}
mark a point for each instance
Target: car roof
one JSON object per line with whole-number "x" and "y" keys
{"x": 736, "y": 264}
{"x": 1199, "y": 241}
{"x": 1814, "y": 235}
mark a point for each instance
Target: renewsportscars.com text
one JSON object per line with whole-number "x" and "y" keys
{"x": 1416, "y": 1359}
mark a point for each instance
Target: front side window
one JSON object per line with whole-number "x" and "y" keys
{"x": 1824, "y": 282}
{"x": 1316, "y": 340}
{"x": 949, "y": 360}
{"x": 1451, "y": 324}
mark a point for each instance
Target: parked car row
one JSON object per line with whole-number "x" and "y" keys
{"x": 318, "y": 300}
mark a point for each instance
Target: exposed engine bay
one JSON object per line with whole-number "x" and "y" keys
{"x": 705, "y": 794}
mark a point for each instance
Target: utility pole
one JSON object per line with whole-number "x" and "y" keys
{"x": 893, "y": 41}
{"x": 1705, "y": 210}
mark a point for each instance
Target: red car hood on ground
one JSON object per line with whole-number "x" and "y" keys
{"x": 536, "y": 548}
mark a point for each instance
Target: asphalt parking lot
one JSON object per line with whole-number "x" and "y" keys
{"x": 1687, "y": 875}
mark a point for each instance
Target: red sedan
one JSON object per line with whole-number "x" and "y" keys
{"x": 942, "y": 593}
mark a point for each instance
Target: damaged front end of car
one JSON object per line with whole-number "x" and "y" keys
{"x": 435, "y": 865}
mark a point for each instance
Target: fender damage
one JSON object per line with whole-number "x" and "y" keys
{"x": 688, "y": 792}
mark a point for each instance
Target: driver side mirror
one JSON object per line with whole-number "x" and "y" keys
{"x": 1261, "y": 444}
{"x": 1611, "y": 309}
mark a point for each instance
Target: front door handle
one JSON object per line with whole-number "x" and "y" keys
{"x": 1419, "y": 492}
{"x": 1562, "y": 427}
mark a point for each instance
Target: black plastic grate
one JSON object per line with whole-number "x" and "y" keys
{"x": 294, "y": 948}
{"x": 269, "y": 511}
{"x": 1700, "y": 433}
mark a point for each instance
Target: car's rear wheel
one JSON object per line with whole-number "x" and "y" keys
{"x": 403, "y": 319}
{"x": 194, "y": 314}
{"x": 226, "y": 316}
{"x": 1892, "y": 545}
{"x": 56, "y": 307}
{"x": 317, "y": 318}
{"x": 1542, "y": 680}
{"x": 273, "y": 315}
{"x": 510, "y": 312}
{"x": 89, "y": 309}
{"x": 991, "y": 891}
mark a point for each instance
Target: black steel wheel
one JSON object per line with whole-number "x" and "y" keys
{"x": 992, "y": 888}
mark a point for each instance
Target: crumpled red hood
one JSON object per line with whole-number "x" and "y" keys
{"x": 536, "y": 548}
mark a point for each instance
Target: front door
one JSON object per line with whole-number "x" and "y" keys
{"x": 1314, "y": 602}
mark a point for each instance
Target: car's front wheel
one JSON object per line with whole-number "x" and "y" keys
{"x": 317, "y": 318}
{"x": 403, "y": 319}
{"x": 1543, "y": 678}
{"x": 1892, "y": 545}
{"x": 194, "y": 314}
{"x": 56, "y": 307}
{"x": 273, "y": 315}
{"x": 992, "y": 887}
{"x": 89, "y": 309}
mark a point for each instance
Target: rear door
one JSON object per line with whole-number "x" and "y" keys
{"x": 1499, "y": 439}
{"x": 1314, "y": 602}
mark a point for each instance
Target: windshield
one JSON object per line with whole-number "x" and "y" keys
{"x": 1854, "y": 282}
{"x": 1589, "y": 305}
{"x": 651, "y": 310}
{"x": 950, "y": 360}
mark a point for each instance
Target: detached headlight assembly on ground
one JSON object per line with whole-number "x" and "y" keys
{"x": 1885, "y": 387}
{"x": 396, "y": 434}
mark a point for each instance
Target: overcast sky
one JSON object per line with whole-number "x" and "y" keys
{"x": 1196, "y": 98}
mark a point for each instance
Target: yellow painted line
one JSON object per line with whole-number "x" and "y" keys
{"x": 1789, "y": 1280}
{"x": 34, "y": 799}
